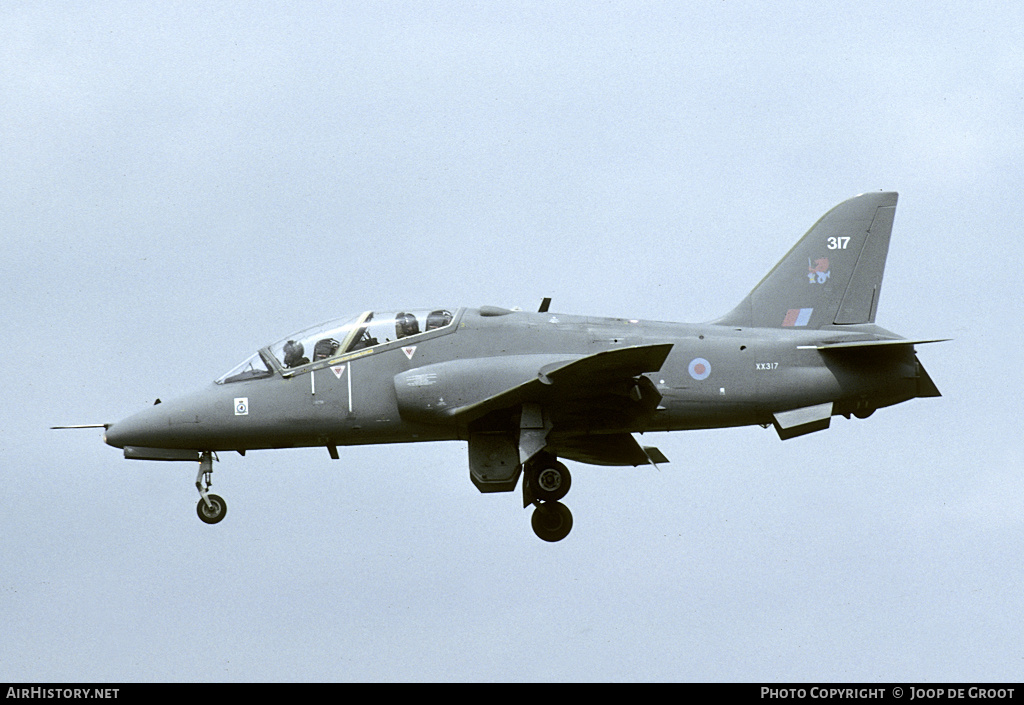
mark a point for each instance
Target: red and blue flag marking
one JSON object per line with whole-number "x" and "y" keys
{"x": 797, "y": 317}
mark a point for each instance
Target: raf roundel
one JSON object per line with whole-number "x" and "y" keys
{"x": 700, "y": 369}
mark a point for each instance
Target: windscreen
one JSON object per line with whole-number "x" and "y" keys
{"x": 253, "y": 367}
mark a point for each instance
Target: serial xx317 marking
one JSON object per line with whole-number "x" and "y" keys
{"x": 527, "y": 389}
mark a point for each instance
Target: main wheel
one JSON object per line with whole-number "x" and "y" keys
{"x": 551, "y": 482}
{"x": 212, "y": 514}
{"x": 551, "y": 521}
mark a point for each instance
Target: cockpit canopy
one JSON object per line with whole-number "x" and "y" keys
{"x": 252, "y": 368}
{"x": 336, "y": 338}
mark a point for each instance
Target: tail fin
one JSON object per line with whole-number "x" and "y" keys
{"x": 833, "y": 275}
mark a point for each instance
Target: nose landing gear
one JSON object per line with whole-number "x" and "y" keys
{"x": 211, "y": 508}
{"x": 545, "y": 482}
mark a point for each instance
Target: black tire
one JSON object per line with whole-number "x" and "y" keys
{"x": 551, "y": 521}
{"x": 550, "y": 482}
{"x": 212, "y": 515}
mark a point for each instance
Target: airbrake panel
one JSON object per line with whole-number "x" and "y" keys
{"x": 798, "y": 422}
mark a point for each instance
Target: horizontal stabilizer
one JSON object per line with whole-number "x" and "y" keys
{"x": 798, "y": 422}
{"x": 855, "y": 344}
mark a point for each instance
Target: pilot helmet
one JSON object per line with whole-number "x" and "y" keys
{"x": 406, "y": 324}
{"x": 293, "y": 353}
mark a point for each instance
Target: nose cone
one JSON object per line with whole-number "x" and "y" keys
{"x": 173, "y": 424}
{"x": 141, "y": 429}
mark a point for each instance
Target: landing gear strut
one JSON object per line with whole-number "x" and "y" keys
{"x": 211, "y": 508}
{"x": 545, "y": 482}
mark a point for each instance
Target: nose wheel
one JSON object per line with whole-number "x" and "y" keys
{"x": 211, "y": 508}
{"x": 546, "y": 481}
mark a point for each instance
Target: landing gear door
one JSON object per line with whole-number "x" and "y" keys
{"x": 494, "y": 461}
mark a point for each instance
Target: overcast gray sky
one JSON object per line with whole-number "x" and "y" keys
{"x": 182, "y": 183}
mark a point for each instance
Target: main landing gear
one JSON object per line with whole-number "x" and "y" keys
{"x": 545, "y": 482}
{"x": 211, "y": 508}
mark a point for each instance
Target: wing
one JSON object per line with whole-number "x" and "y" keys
{"x": 467, "y": 390}
{"x": 606, "y": 449}
{"x": 570, "y": 384}
{"x": 511, "y": 404}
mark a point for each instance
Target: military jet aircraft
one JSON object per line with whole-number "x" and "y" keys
{"x": 526, "y": 389}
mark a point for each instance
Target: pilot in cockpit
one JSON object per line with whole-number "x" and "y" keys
{"x": 294, "y": 354}
{"x": 406, "y": 324}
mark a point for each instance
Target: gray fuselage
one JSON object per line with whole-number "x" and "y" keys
{"x": 714, "y": 376}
